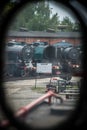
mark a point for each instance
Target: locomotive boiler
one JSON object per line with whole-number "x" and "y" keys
{"x": 17, "y": 59}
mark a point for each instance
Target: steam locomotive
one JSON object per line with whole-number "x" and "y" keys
{"x": 72, "y": 56}
{"x": 18, "y": 57}
{"x": 64, "y": 58}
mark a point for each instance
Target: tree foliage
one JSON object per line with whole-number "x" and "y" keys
{"x": 70, "y": 25}
{"x": 67, "y": 21}
{"x": 37, "y": 17}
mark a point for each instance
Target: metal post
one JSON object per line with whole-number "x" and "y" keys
{"x": 36, "y": 80}
{"x": 49, "y": 99}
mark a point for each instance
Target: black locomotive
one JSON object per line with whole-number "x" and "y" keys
{"x": 69, "y": 57}
{"x": 17, "y": 60}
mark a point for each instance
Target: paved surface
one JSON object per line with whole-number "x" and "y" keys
{"x": 45, "y": 115}
{"x": 19, "y": 94}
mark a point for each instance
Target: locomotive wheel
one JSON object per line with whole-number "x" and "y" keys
{"x": 23, "y": 73}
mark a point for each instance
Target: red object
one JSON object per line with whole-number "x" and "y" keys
{"x": 22, "y": 111}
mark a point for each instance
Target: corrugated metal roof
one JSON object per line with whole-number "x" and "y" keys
{"x": 44, "y": 34}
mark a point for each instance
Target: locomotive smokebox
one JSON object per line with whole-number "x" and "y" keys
{"x": 71, "y": 53}
{"x": 50, "y": 52}
{"x": 18, "y": 51}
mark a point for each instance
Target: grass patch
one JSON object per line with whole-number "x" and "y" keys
{"x": 38, "y": 89}
{"x": 74, "y": 87}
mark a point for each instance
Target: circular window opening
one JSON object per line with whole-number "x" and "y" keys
{"x": 41, "y": 84}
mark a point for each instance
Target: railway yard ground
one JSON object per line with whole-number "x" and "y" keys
{"x": 20, "y": 92}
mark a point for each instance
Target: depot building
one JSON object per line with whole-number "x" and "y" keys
{"x": 44, "y": 36}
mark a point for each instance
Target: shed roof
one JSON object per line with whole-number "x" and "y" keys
{"x": 44, "y": 34}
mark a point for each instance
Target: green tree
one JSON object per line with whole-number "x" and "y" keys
{"x": 69, "y": 25}
{"x": 54, "y": 22}
{"x": 76, "y": 26}
{"x": 35, "y": 16}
